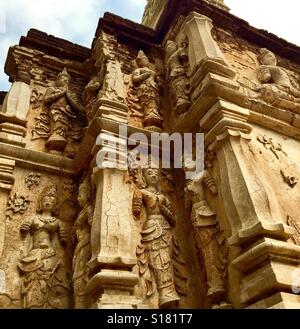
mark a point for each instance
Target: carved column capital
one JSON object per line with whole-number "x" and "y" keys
{"x": 202, "y": 46}
{"x": 225, "y": 120}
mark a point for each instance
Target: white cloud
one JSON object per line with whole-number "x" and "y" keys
{"x": 278, "y": 17}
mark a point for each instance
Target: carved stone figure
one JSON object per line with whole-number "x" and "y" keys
{"x": 63, "y": 117}
{"x": 155, "y": 252}
{"x": 277, "y": 83}
{"x": 91, "y": 92}
{"x": 44, "y": 282}
{"x": 176, "y": 60}
{"x": 146, "y": 92}
{"x": 82, "y": 253}
{"x": 208, "y": 238}
{"x": 113, "y": 86}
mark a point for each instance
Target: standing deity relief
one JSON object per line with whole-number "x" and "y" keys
{"x": 107, "y": 85}
{"x": 41, "y": 266}
{"x": 209, "y": 238}
{"x": 176, "y": 65}
{"x": 82, "y": 253}
{"x": 159, "y": 258}
{"x": 143, "y": 97}
{"x": 62, "y": 118}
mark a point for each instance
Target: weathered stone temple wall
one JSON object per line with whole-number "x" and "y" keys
{"x": 76, "y": 235}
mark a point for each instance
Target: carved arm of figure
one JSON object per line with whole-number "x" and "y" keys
{"x": 168, "y": 211}
{"x": 25, "y": 228}
{"x": 137, "y": 204}
{"x": 138, "y": 77}
{"x": 75, "y": 105}
{"x": 90, "y": 215}
{"x": 264, "y": 75}
{"x": 93, "y": 85}
{"x": 53, "y": 94}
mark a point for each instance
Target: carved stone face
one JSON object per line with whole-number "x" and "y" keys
{"x": 62, "y": 81}
{"x": 268, "y": 59}
{"x": 82, "y": 196}
{"x": 49, "y": 203}
{"x": 171, "y": 47}
{"x": 152, "y": 176}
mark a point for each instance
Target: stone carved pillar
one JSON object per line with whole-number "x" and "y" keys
{"x": 205, "y": 55}
{"x": 6, "y": 183}
{"x": 265, "y": 261}
{"x": 111, "y": 281}
{"x": 16, "y": 106}
{"x": 113, "y": 255}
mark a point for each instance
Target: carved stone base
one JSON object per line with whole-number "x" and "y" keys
{"x": 12, "y": 134}
{"x": 268, "y": 266}
{"x": 278, "y": 301}
{"x": 112, "y": 289}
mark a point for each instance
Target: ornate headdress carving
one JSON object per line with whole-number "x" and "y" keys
{"x": 263, "y": 52}
{"x": 64, "y": 73}
{"x": 142, "y": 56}
{"x": 47, "y": 191}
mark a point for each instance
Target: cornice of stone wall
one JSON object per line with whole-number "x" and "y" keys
{"x": 133, "y": 33}
{"x": 54, "y": 46}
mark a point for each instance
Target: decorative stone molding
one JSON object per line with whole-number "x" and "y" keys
{"x": 203, "y": 50}
{"x": 13, "y": 114}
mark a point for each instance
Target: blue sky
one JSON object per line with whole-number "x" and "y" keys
{"x": 76, "y": 20}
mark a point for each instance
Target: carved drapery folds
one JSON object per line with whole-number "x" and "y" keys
{"x": 82, "y": 253}
{"x": 62, "y": 118}
{"x": 209, "y": 238}
{"x": 143, "y": 98}
{"x": 158, "y": 254}
{"x": 44, "y": 281}
{"x": 107, "y": 86}
{"x": 176, "y": 65}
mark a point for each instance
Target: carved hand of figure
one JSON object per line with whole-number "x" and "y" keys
{"x": 73, "y": 237}
{"x": 53, "y": 95}
{"x": 168, "y": 211}
{"x": 141, "y": 77}
{"x": 137, "y": 204}
{"x": 94, "y": 85}
{"x": 63, "y": 235}
{"x": 264, "y": 74}
{"x": 25, "y": 228}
